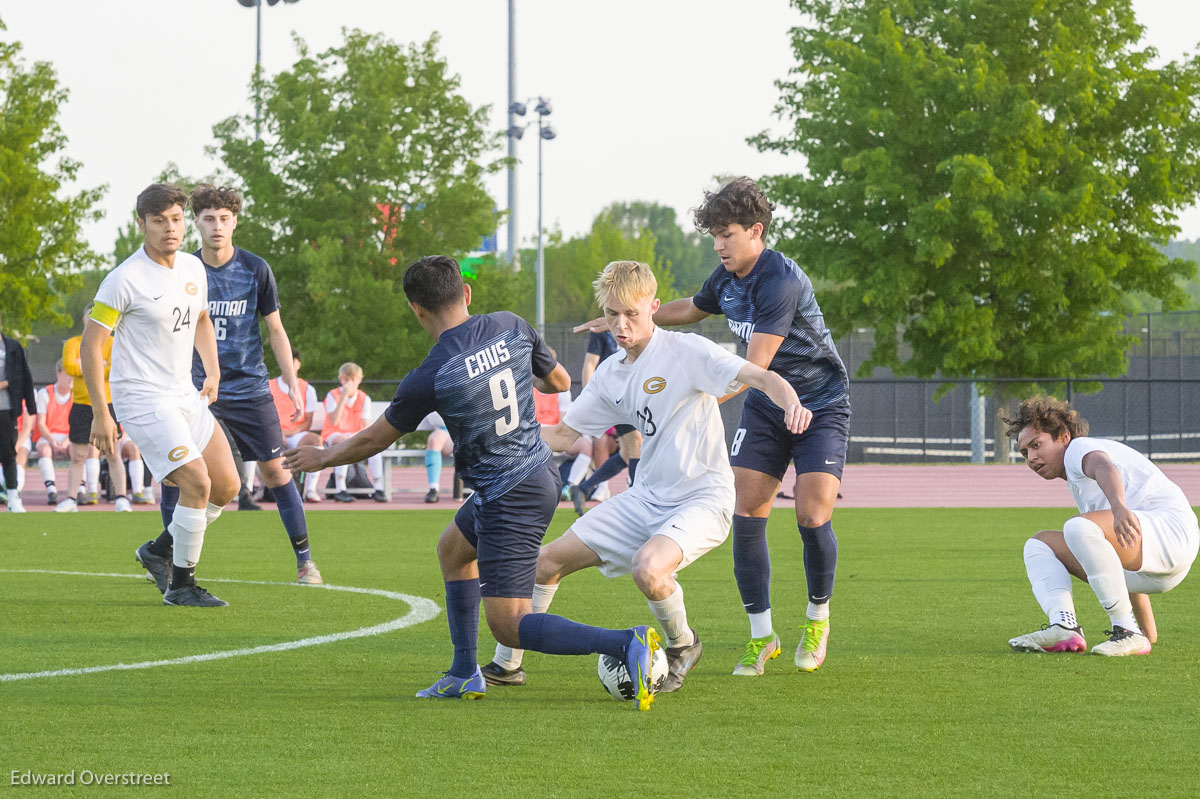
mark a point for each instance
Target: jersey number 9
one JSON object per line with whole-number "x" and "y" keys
{"x": 504, "y": 398}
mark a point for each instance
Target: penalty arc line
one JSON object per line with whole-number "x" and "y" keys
{"x": 420, "y": 610}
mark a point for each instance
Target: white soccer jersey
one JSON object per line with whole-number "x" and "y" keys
{"x": 153, "y": 311}
{"x": 669, "y": 394}
{"x": 1146, "y": 487}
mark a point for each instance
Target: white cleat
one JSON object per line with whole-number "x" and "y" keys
{"x": 15, "y": 505}
{"x": 68, "y": 505}
{"x": 308, "y": 574}
{"x": 122, "y": 505}
{"x": 1123, "y": 642}
{"x": 1051, "y": 638}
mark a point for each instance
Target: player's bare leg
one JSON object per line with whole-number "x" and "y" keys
{"x": 654, "y": 567}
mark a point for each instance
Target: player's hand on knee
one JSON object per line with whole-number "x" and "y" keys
{"x": 1126, "y": 526}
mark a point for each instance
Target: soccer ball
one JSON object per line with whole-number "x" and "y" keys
{"x": 615, "y": 677}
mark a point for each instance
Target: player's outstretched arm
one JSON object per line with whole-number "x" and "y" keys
{"x": 795, "y": 416}
{"x": 91, "y": 361}
{"x": 560, "y": 437}
{"x": 206, "y": 346}
{"x": 362, "y": 445}
{"x": 1098, "y": 466}
{"x": 556, "y": 382}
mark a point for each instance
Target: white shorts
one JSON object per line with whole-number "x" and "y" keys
{"x": 432, "y": 422}
{"x": 616, "y": 529}
{"x": 1170, "y": 539}
{"x": 174, "y": 433}
{"x": 293, "y": 440}
{"x": 57, "y": 438}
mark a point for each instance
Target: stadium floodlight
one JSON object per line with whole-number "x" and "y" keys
{"x": 257, "y": 5}
{"x": 517, "y": 108}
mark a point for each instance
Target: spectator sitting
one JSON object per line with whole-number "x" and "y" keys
{"x": 297, "y": 434}
{"x": 348, "y": 410}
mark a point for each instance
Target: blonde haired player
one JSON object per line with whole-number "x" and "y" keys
{"x": 347, "y": 411}
{"x": 666, "y": 385}
{"x": 1136, "y": 532}
{"x": 156, "y": 305}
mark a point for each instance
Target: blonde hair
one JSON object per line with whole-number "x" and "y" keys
{"x": 350, "y": 369}
{"x": 627, "y": 281}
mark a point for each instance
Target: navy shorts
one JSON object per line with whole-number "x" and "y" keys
{"x": 507, "y": 532}
{"x": 254, "y": 425}
{"x": 763, "y": 444}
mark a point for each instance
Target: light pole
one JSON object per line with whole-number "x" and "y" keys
{"x": 512, "y": 140}
{"x": 545, "y": 132}
{"x": 257, "y": 6}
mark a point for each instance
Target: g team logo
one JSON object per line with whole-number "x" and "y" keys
{"x": 177, "y": 454}
{"x": 191, "y": 288}
{"x": 654, "y": 385}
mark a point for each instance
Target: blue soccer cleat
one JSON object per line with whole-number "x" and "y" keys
{"x": 639, "y": 656}
{"x": 473, "y": 687}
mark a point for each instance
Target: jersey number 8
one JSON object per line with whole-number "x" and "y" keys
{"x": 504, "y": 398}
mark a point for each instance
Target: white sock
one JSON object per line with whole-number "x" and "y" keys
{"x": 760, "y": 624}
{"x": 672, "y": 615}
{"x": 1103, "y": 568}
{"x": 510, "y": 658}
{"x": 579, "y": 469}
{"x": 46, "y": 467}
{"x": 91, "y": 472}
{"x": 310, "y": 482}
{"x": 817, "y": 612}
{"x": 137, "y": 476}
{"x": 1051, "y": 583}
{"x": 187, "y": 530}
{"x": 211, "y": 513}
{"x": 339, "y": 477}
{"x": 248, "y": 470}
{"x": 375, "y": 467}
{"x": 20, "y": 478}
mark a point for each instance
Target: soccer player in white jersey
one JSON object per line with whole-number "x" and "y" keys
{"x": 666, "y": 384}
{"x": 1136, "y": 533}
{"x": 156, "y": 305}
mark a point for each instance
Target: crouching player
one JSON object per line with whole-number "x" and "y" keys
{"x": 1136, "y": 532}
{"x": 479, "y": 376}
{"x": 682, "y": 504}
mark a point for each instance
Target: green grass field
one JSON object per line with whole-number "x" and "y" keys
{"x": 919, "y": 696}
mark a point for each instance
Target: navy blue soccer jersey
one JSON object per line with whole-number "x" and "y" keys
{"x": 602, "y": 344}
{"x": 777, "y": 298}
{"x": 239, "y": 292}
{"x": 479, "y": 377}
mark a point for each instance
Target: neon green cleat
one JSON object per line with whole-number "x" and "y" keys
{"x": 758, "y": 652}
{"x": 811, "y": 652}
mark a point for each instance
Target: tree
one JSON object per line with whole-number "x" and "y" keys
{"x": 41, "y": 243}
{"x": 370, "y": 159}
{"x": 985, "y": 180}
{"x": 688, "y": 255}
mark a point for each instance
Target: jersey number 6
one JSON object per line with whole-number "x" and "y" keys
{"x": 504, "y": 398}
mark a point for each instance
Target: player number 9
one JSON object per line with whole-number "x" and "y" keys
{"x": 504, "y": 398}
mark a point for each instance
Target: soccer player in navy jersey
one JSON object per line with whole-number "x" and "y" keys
{"x": 479, "y": 376}
{"x": 769, "y": 304}
{"x": 241, "y": 290}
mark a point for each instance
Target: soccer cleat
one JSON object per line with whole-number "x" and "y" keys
{"x": 192, "y": 596}
{"x": 93, "y": 498}
{"x": 343, "y": 496}
{"x": 122, "y": 505}
{"x": 681, "y": 660}
{"x": 313, "y": 496}
{"x": 51, "y": 496}
{"x": 813, "y": 640}
{"x": 473, "y": 687}
{"x": 639, "y": 656}
{"x": 379, "y": 496}
{"x": 758, "y": 652}
{"x": 1122, "y": 642}
{"x": 1050, "y": 638}
{"x": 495, "y": 674}
{"x": 140, "y": 498}
{"x": 246, "y": 500}
{"x": 308, "y": 574}
{"x": 15, "y": 505}
{"x": 68, "y": 505}
{"x": 431, "y": 496}
{"x": 158, "y": 568}
{"x": 578, "y": 499}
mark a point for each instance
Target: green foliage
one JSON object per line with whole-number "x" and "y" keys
{"x": 370, "y": 159}
{"x": 985, "y": 180}
{"x": 688, "y": 255}
{"x": 41, "y": 244}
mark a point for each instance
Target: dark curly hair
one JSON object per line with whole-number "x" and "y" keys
{"x": 206, "y": 196}
{"x": 739, "y": 202}
{"x": 1046, "y": 415}
{"x": 433, "y": 282}
{"x": 158, "y": 197}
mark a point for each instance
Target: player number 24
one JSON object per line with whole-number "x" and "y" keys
{"x": 504, "y": 398}
{"x": 182, "y": 319}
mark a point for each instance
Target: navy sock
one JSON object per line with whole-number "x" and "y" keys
{"x": 633, "y": 464}
{"x": 820, "y": 561}
{"x": 291, "y": 510}
{"x": 462, "y": 614}
{"x": 610, "y": 468}
{"x": 555, "y": 635}
{"x": 752, "y": 563}
{"x": 170, "y": 498}
{"x": 161, "y": 546}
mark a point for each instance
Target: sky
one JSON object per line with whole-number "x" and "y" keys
{"x": 651, "y": 98}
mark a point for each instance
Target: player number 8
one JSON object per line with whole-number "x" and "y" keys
{"x": 737, "y": 441}
{"x": 504, "y": 398}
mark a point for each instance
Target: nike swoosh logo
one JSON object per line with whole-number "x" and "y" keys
{"x": 830, "y": 463}
{"x": 277, "y": 449}
{"x": 1113, "y": 605}
{"x": 727, "y": 299}
{"x": 159, "y": 297}
{"x": 619, "y": 400}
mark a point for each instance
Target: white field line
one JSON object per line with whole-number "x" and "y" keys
{"x": 420, "y": 610}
